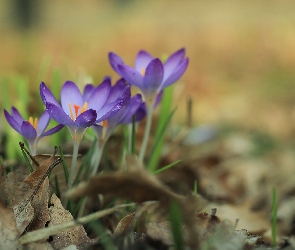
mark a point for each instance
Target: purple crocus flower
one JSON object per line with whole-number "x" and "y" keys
{"x": 150, "y": 75}
{"x": 79, "y": 111}
{"x": 33, "y": 129}
{"x": 130, "y": 106}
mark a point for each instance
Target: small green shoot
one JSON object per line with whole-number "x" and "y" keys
{"x": 195, "y": 188}
{"x": 57, "y": 188}
{"x": 165, "y": 113}
{"x": 31, "y": 169}
{"x": 167, "y": 167}
{"x": 152, "y": 162}
{"x": 175, "y": 218}
{"x": 274, "y": 217}
{"x": 64, "y": 165}
{"x": 104, "y": 238}
{"x": 3, "y": 166}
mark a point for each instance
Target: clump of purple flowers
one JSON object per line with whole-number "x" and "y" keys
{"x": 105, "y": 106}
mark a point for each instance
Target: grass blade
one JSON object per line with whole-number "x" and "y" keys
{"x": 157, "y": 146}
{"x": 167, "y": 167}
{"x": 166, "y": 104}
{"x": 274, "y": 217}
{"x": 64, "y": 165}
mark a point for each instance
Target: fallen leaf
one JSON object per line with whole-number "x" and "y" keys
{"x": 124, "y": 225}
{"x": 8, "y": 230}
{"x": 73, "y": 236}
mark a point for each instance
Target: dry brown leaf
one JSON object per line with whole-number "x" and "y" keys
{"x": 254, "y": 222}
{"x": 12, "y": 188}
{"x": 41, "y": 198}
{"x": 8, "y": 230}
{"x": 24, "y": 214}
{"x": 160, "y": 232}
{"x": 137, "y": 186}
{"x": 58, "y": 170}
{"x": 206, "y": 224}
{"x": 73, "y": 236}
{"x": 124, "y": 225}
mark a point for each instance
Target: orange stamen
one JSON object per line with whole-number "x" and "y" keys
{"x": 31, "y": 121}
{"x": 71, "y": 112}
{"x": 76, "y": 107}
{"x": 84, "y": 107}
{"x": 105, "y": 123}
{"x": 143, "y": 71}
{"x": 35, "y": 123}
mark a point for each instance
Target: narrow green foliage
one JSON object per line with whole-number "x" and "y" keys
{"x": 3, "y": 167}
{"x": 157, "y": 146}
{"x": 57, "y": 189}
{"x": 64, "y": 165}
{"x": 167, "y": 167}
{"x": 274, "y": 217}
{"x": 31, "y": 169}
{"x": 87, "y": 161}
{"x": 195, "y": 188}
{"x": 175, "y": 218}
{"x": 166, "y": 104}
{"x": 77, "y": 207}
{"x": 104, "y": 238}
{"x": 133, "y": 135}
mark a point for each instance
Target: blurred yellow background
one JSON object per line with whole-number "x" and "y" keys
{"x": 242, "y": 53}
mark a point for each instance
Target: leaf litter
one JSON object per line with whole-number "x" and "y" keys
{"x": 229, "y": 178}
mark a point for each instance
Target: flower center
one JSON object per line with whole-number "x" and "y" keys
{"x": 33, "y": 122}
{"x": 77, "y": 110}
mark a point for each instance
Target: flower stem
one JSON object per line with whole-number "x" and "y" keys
{"x": 97, "y": 156}
{"x": 146, "y": 132}
{"x": 73, "y": 166}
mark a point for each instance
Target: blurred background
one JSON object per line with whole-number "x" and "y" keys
{"x": 242, "y": 53}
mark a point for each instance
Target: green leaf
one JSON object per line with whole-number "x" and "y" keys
{"x": 175, "y": 218}
{"x": 165, "y": 117}
{"x": 167, "y": 167}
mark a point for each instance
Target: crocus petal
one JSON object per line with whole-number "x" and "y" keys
{"x": 86, "y": 119}
{"x": 100, "y": 95}
{"x": 158, "y": 98}
{"x": 70, "y": 94}
{"x": 16, "y": 115}
{"x": 53, "y": 130}
{"x": 57, "y": 114}
{"x": 133, "y": 106}
{"x": 176, "y": 74}
{"x": 173, "y": 62}
{"x": 153, "y": 75}
{"x": 12, "y": 122}
{"x": 109, "y": 110}
{"x": 28, "y": 131}
{"x": 117, "y": 90}
{"x": 115, "y": 60}
{"x": 116, "y": 118}
{"x": 142, "y": 60}
{"x": 131, "y": 75}
{"x": 43, "y": 122}
{"x": 46, "y": 95}
{"x": 87, "y": 92}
